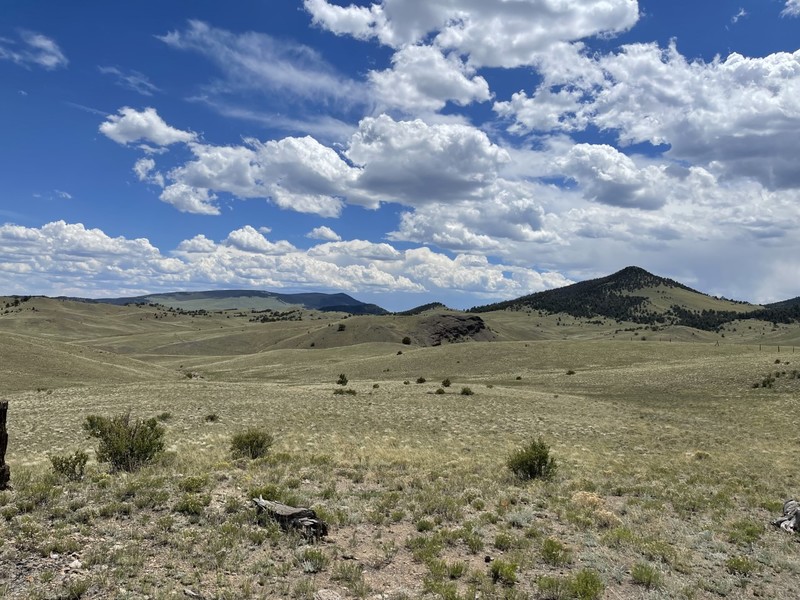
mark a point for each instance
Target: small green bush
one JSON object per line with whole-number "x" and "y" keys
{"x": 555, "y": 553}
{"x": 420, "y": 380}
{"x": 503, "y": 572}
{"x": 446, "y": 383}
{"x": 71, "y": 466}
{"x": 465, "y": 391}
{"x": 740, "y": 565}
{"x": 587, "y": 585}
{"x": 192, "y": 504}
{"x": 424, "y": 525}
{"x": 407, "y": 341}
{"x": 125, "y": 443}
{"x": 193, "y": 483}
{"x": 312, "y": 560}
{"x": 440, "y": 391}
{"x": 532, "y": 461}
{"x": 212, "y": 418}
{"x": 342, "y": 380}
{"x": 583, "y": 585}
{"x": 646, "y": 575}
{"x": 251, "y": 443}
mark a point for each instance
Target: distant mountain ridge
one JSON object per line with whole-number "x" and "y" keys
{"x": 251, "y": 299}
{"x": 637, "y": 296}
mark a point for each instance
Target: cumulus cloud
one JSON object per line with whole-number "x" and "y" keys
{"x": 424, "y": 79}
{"x": 63, "y": 258}
{"x": 492, "y": 33}
{"x": 413, "y": 163}
{"x": 610, "y": 177}
{"x": 324, "y": 233}
{"x": 35, "y": 49}
{"x": 738, "y": 116}
{"x": 131, "y": 80}
{"x": 406, "y": 162}
{"x": 131, "y": 125}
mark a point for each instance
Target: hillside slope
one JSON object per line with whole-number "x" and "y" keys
{"x": 637, "y": 296}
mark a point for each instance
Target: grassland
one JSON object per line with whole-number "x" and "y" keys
{"x": 670, "y": 462}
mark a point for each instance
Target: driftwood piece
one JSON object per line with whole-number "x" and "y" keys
{"x": 5, "y": 471}
{"x": 303, "y": 520}
{"x": 790, "y": 521}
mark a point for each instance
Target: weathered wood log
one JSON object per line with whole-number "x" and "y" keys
{"x": 790, "y": 521}
{"x": 303, "y": 520}
{"x": 5, "y": 471}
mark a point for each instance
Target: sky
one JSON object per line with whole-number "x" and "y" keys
{"x": 400, "y": 151}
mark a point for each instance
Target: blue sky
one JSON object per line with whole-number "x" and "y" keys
{"x": 403, "y": 151}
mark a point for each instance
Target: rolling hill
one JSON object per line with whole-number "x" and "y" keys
{"x": 249, "y": 300}
{"x": 637, "y": 296}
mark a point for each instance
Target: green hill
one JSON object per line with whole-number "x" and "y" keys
{"x": 637, "y": 296}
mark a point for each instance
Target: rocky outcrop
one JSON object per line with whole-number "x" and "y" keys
{"x": 451, "y": 328}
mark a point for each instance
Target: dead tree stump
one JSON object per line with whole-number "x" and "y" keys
{"x": 5, "y": 472}
{"x": 303, "y": 520}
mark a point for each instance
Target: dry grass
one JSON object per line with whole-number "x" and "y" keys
{"x": 670, "y": 467}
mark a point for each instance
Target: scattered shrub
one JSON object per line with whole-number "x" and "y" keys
{"x": 532, "y": 461}
{"x": 446, "y": 383}
{"x": 440, "y": 391}
{"x": 646, "y": 575}
{"x": 555, "y": 553}
{"x": 407, "y": 341}
{"x": 164, "y": 416}
{"x": 503, "y": 572}
{"x": 193, "y": 483}
{"x": 421, "y": 380}
{"x": 212, "y": 418}
{"x": 71, "y": 466}
{"x": 312, "y": 560}
{"x": 375, "y": 386}
{"x": 587, "y": 585}
{"x": 424, "y": 525}
{"x": 342, "y": 379}
{"x": 192, "y": 504}
{"x": 465, "y": 391}
{"x": 124, "y": 443}
{"x": 251, "y": 443}
{"x": 740, "y": 565}
{"x": 341, "y": 327}
{"x": 570, "y": 372}
{"x": 342, "y": 392}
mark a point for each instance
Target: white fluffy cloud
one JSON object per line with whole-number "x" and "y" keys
{"x": 413, "y": 163}
{"x": 739, "y": 116}
{"x": 36, "y": 49}
{"x": 424, "y": 79}
{"x": 406, "y": 162}
{"x": 52, "y": 258}
{"x": 608, "y": 176}
{"x": 324, "y": 233}
{"x": 491, "y": 32}
{"x": 131, "y": 125}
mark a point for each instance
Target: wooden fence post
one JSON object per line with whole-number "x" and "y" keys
{"x": 5, "y": 472}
